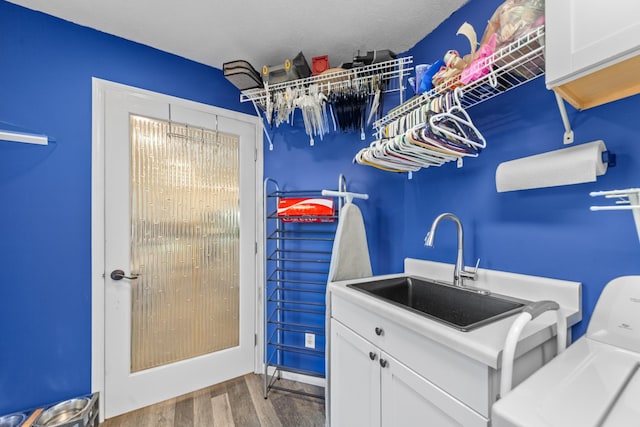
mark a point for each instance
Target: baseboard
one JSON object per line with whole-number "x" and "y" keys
{"x": 307, "y": 379}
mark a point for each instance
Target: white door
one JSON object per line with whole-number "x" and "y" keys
{"x": 192, "y": 258}
{"x": 355, "y": 379}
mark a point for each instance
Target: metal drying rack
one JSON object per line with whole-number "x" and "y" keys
{"x": 296, "y": 268}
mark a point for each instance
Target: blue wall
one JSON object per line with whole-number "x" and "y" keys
{"x": 546, "y": 232}
{"x": 297, "y": 166}
{"x": 46, "y": 68}
{"x": 45, "y": 245}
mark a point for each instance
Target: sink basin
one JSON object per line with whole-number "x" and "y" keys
{"x": 456, "y": 307}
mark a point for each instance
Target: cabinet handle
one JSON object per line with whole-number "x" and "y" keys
{"x": 379, "y": 331}
{"x": 383, "y": 363}
{"x": 372, "y": 355}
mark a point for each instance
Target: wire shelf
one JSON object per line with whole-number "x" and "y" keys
{"x": 296, "y": 266}
{"x": 398, "y": 68}
{"x": 511, "y": 66}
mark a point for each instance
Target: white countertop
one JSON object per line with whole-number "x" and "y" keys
{"x": 485, "y": 343}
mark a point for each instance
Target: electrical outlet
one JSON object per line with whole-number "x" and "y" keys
{"x": 309, "y": 340}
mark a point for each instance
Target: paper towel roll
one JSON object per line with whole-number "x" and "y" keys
{"x": 575, "y": 165}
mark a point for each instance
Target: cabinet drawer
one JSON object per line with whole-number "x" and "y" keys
{"x": 462, "y": 377}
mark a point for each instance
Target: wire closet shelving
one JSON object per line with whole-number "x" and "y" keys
{"x": 511, "y": 66}
{"x": 398, "y": 68}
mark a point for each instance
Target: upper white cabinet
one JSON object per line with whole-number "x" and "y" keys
{"x": 592, "y": 50}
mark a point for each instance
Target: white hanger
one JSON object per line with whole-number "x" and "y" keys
{"x": 437, "y": 122}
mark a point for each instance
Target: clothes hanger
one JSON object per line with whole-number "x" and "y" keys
{"x": 455, "y": 123}
{"x": 457, "y": 126}
{"x": 362, "y": 157}
{"x": 380, "y": 153}
{"x": 416, "y": 155}
{"x": 432, "y": 148}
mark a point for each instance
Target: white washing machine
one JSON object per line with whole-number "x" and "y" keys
{"x": 596, "y": 381}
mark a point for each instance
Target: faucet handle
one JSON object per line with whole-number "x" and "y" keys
{"x": 473, "y": 275}
{"x": 475, "y": 269}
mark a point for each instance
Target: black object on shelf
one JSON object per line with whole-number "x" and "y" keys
{"x": 242, "y": 75}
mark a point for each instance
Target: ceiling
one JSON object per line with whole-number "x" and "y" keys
{"x": 213, "y": 32}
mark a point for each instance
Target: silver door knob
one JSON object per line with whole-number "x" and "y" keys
{"x": 119, "y": 275}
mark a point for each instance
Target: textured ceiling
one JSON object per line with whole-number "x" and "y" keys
{"x": 262, "y": 32}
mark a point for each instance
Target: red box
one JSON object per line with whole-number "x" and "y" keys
{"x": 319, "y": 64}
{"x": 306, "y": 209}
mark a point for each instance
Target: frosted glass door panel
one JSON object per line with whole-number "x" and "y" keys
{"x": 185, "y": 241}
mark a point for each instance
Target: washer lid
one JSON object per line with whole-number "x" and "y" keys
{"x": 616, "y": 318}
{"x": 590, "y": 384}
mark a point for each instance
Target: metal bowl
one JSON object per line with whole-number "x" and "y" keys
{"x": 63, "y": 412}
{"x": 12, "y": 420}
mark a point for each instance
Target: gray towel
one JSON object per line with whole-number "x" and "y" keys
{"x": 350, "y": 254}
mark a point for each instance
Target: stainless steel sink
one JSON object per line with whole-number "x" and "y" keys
{"x": 459, "y": 308}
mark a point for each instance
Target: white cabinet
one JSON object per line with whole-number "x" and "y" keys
{"x": 592, "y": 50}
{"x": 369, "y": 387}
{"x": 384, "y": 373}
{"x": 355, "y": 379}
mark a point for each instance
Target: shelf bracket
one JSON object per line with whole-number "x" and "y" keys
{"x": 264, "y": 128}
{"x": 568, "y": 132}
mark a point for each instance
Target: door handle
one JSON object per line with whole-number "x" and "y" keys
{"x": 119, "y": 275}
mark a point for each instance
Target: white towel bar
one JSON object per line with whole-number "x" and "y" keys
{"x": 629, "y": 199}
{"x": 349, "y": 196}
{"x": 27, "y": 138}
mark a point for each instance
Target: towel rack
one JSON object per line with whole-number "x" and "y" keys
{"x": 628, "y": 199}
{"x": 13, "y": 133}
{"x": 348, "y": 196}
{"x": 24, "y": 137}
{"x": 343, "y": 194}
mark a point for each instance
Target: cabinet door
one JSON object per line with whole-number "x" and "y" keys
{"x": 410, "y": 400}
{"x": 587, "y": 35}
{"x": 355, "y": 379}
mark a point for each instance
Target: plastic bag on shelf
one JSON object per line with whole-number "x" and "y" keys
{"x": 513, "y": 19}
{"x": 479, "y": 66}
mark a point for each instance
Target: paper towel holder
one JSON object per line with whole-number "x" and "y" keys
{"x": 609, "y": 158}
{"x": 566, "y": 166}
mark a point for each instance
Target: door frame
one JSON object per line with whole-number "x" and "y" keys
{"x": 98, "y": 277}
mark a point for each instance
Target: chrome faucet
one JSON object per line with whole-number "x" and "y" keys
{"x": 459, "y": 273}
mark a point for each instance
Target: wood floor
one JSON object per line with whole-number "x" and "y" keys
{"x": 235, "y": 403}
